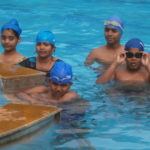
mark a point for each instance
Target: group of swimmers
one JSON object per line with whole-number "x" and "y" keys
{"x": 123, "y": 63}
{"x": 129, "y": 63}
{"x": 59, "y": 74}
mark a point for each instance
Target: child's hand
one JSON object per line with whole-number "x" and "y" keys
{"x": 145, "y": 59}
{"x": 120, "y": 58}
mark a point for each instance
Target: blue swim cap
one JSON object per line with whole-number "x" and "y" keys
{"x": 134, "y": 43}
{"x": 116, "y": 23}
{"x": 61, "y": 73}
{"x": 45, "y": 36}
{"x": 12, "y": 24}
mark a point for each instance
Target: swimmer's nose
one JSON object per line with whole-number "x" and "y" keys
{"x": 42, "y": 46}
{"x": 110, "y": 32}
{"x": 58, "y": 88}
{"x": 6, "y": 40}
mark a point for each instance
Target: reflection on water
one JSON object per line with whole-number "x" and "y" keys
{"x": 116, "y": 115}
{"x": 70, "y": 132}
{"x": 73, "y": 111}
{"x": 131, "y": 92}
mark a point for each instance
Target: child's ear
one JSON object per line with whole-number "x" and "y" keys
{"x": 70, "y": 84}
{"x": 49, "y": 81}
{"x": 19, "y": 39}
{"x": 53, "y": 49}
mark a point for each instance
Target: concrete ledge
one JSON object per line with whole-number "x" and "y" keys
{"x": 17, "y": 120}
{"x": 16, "y": 78}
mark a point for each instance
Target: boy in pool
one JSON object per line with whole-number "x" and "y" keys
{"x": 106, "y": 54}
{"x": 130, "y": 66}
{"x": 10, "y": 37}
{"x": 60, "y": 81}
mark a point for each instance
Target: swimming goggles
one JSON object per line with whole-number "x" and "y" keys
{"x": 114, "y": 23}
{"x": 136, "y": 55}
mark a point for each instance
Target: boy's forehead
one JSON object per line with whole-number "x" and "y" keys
{"x": 111, "y": 27}
{"x": 8, "y": 32}
{"x": 134, "y": 50}
{"x": 56, "y": 83}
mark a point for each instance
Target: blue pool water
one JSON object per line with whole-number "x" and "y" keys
{"x": 112, "y": 118}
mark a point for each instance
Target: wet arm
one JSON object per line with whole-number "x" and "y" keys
{"x": 68, "y": 97}
{"x": 32, "y": 96}
{"x": 90, "y": 59}
{"x": 108, "y": 74}
{"x": 146, "y": 61}
{"x": 26, "y": 98}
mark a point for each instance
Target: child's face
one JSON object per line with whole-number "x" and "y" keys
{"x": 59, "y": 90}
{"x": 112, "y": 35}
{"x": 134, "y": 62}
{"x": 44, "y": 49}
{"x": 9, "y": 40}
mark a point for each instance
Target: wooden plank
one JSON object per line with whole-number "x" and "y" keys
{"x": 17, "y": 120}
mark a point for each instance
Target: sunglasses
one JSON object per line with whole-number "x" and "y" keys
{"x": 136, "y": 55}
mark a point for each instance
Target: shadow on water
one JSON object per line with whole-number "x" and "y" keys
{"x": 71, "y": 135}
{"x": 138, "y": 92}
{"x": 117, "y": 111}
{"x": 28, "y": 137}
{"x": 132, "y": 100}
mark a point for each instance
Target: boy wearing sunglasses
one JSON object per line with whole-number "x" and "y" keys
{"x": 113, "y": 30}
{"x": 132, "y": 65}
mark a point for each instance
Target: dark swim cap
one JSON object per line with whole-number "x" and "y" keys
{"x": 61, "y": 73}
{"x": 134, "y": 43}
{"x": 45, "y": 36}
{"x": 12, "y": 24}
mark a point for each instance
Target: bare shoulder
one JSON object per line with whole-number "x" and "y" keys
{"x": 97, "y": 52}
{"x": 1, "y": 55}
{"x": 94, "y": 55}
{"x": 69, "y": 96}
{"x": 55, "y": 59}
{"x": 98, "y": 49}
{"x": 37, "y": 89}
{"x": 72, "y": 95}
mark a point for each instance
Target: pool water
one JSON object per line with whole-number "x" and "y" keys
{"x": 109, "y": 117}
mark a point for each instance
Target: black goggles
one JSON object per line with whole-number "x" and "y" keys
{"x": 136, "y": 55}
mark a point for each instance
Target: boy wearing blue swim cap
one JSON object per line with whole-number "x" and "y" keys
{"x": 10, "y": 37}
{"x": 113, "y": 30}
{"x": 45, "y": 46}
{"x": 58, "y": 91}
{"x": 132, "y": 65}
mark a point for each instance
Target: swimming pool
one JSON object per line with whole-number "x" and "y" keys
{"x": 115, "y": 119}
